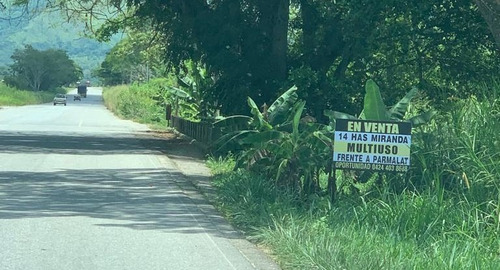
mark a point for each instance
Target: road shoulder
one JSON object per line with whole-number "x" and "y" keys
{"x": 189, "y": 159}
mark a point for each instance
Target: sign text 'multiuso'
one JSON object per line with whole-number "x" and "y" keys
{"x": 372, "y": 145}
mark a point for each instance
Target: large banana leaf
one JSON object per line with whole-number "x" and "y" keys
{"x": 232, "y": 137}
{"x": 233, "y": 121}
{"x": 399, "y": 110}
{"x": 262, "y": 137}
{"x": 177, "y": 92}
{"x": 278, "y": 111}
{"x": 260, "y": 122}
{"x": 298, "y": 109}
{"x": 374, "y": 107}
{"x": 332, "y": 115}
{"x": 232, "y": 124}
{"x": 421, "y": 119}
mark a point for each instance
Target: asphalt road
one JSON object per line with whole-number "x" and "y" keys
{"x": 82, "y": 189}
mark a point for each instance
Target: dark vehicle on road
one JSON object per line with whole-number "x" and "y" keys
{"x": 82, "y": 90}
{"x": 77, "y": 97}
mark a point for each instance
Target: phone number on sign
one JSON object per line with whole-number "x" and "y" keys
{"x": 373, "y": 167}
{"x": 389, "y": 168}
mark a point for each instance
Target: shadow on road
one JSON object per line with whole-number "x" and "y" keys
{"x": 79, "y": 144}
{"x": 137, "y": 198}
{"x": 143, "y": 199}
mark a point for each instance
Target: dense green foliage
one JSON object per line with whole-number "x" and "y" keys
{"x": 14, "y": 97}
{"x": 327, "y": 48}
{"x": 442, "y": 215}
{"x": 41, "y": 70}
{"x": 460, "y": 150}
{"x": 146, "y": 102}
{"x": 142, "y": 103}
{"x": 133, "y": 59}
{"x": 281, "y": 143}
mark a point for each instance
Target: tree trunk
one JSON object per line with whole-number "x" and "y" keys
{"x": 490, "y": 10}
{"x": 310, "y": 18}
{"x": 272, "y": 68}
{"x": 280, "y": 39}
{"x": 274, "y": 27}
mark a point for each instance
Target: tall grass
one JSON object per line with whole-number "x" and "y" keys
{"x": 112, "y": 97}
{"x": 398, "y": 231}
{"x": 13, "y": 97}
{"x": 460, "y": 151}
{"x": 444, "y": 214}
{"x": 136, "y": 102}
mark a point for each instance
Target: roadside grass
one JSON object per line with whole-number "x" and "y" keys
{"x": 111, "y": 96}
{"x": 444, "y": 214}
{"x": 136, "y": 102}
{"x": 398, "y": 231}
{"x": 13, "y": 97}
{"x": 460, "y": 150}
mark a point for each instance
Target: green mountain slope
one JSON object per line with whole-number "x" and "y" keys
{"x": 51, "y": 31}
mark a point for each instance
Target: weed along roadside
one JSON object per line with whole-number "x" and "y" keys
{"x": 13, "y": 97}
{"x": 397, "y": 188}
{"x": 387, "y": 213}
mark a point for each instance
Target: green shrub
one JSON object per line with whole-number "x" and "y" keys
{"x": 13, "y": 97}
{"x": 137, "y": 102}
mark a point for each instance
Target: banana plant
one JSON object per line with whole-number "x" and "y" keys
{"x": 180, "y": 97}
{"x": 190, "y": 97}
{"x": 277, "y": 143}
{"x": 375, "y": 109}
{"x": 277, "y": 115}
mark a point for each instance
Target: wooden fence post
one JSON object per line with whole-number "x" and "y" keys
{"x": 168, "y": 113}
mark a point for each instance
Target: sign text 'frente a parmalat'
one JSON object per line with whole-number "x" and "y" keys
{"x": 372, "y": 145}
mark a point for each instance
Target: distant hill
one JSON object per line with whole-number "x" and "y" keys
{"x": 48, "y": 31}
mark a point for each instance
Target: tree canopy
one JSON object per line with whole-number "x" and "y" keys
{"x": 41, "y": 70}
{"x": 328, "y": 48}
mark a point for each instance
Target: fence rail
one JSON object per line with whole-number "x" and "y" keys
{"x": 205, "y": 132}
{"x": 202, "y": 132}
